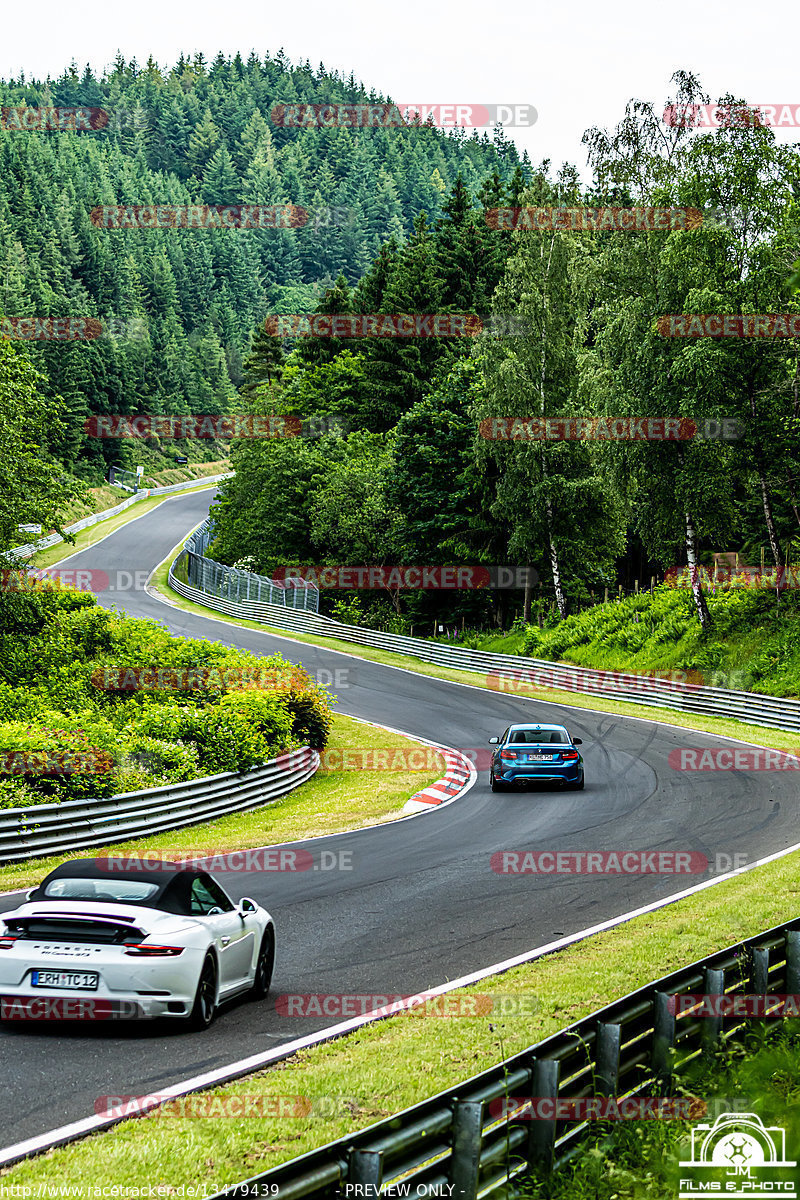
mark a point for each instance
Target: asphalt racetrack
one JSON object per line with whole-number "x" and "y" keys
{"x": 421, "y": 904}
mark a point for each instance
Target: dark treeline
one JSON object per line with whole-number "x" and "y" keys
{"x": 180, "y": 307}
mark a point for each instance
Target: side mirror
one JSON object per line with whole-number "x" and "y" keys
{"x": 247, "y": 905}
{"x": 577, "y": 741}
{"x": 29, "y": 894}
{"x": 493, "y": 741}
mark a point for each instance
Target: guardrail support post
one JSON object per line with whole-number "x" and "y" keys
{"x": 759, "y": 981}
{"x": 607, "y": 1062}
{"x": 792, "y": 981}
{"x": 713, "y": 985}
{"x": 542, "y": 1139}
{"x": 466, "y": 1157}
{"x": 663, "y": 1035}
{"x": 365, "y": 1167}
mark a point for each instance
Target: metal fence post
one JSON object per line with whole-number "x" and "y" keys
{"x": 607, "y": 1064}
{"x": 759, "y": 980}
{"x": 663, "y": 1035}
{"x": 465, "y": 1161}
{"x": 365, "y": 1167}
{"x": 792, "y": 981}
{"x": 713, "y": 985}
{"x": 542, "y": 1137}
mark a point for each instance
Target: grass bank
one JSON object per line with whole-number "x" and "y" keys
{"x": 753, "y": 643}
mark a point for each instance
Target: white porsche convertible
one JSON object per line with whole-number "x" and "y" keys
{"x": 102, "y": 939}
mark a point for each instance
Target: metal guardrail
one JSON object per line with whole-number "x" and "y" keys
{"x": 471, "y": 1139}
{"x": 235, "y": 586}
{"x": 41, "y": 829}
{"x": 143, "y": 494}
{"x": 505, "y": 672}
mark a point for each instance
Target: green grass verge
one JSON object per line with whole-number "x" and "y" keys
{"x": 328, "y": 803}
{"x": 400, "y": 1061}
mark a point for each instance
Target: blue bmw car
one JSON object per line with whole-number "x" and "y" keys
{"x": 528, "y": 753}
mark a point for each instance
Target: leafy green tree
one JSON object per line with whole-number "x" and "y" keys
{"x": 552, "y": 493}
{"x": 33, "y": 489}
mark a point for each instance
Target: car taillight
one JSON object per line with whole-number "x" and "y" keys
{"x": 145, "y": 951}
{"x": 6, "y": 942}
{"x": 571, "y": 754}
{"x": 508, "y": 754}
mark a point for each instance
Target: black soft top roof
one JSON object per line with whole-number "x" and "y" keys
{"x": 174, "y": 881}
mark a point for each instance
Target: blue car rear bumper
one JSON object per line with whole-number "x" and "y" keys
{"x": 524, "y": 773}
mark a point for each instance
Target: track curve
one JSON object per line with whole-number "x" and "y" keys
{"x": 421, "y": 904}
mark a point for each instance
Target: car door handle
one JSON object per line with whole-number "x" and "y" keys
{"x": 225, "y": 940}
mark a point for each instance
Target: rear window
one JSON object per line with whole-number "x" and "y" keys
{"x": 540, "y": 737}
{"x": 121, "y": 891}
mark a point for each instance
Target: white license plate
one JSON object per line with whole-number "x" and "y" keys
{"x": 72, "y": 981}
{"x": 541, "y": 757}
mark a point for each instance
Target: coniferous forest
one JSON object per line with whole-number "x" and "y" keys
{"x": 403, "y": 473}
{"x": 180, "y": 307}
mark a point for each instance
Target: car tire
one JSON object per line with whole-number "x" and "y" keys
{"x": 265, "y": 964}
{"x": 204, "y": 1008}
{"x": 577, "y": 787}
{"x": 496, "y": 785}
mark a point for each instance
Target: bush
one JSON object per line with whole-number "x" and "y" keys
{"x": 228, "y": 740}
{"x": 159, "y": 761}
{"x": 70, "y": 763}
{"x": 16, "y": 793}
{"x": 74, "y": 734}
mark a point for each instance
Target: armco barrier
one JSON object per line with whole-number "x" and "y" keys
{"x": 76, "y": 824}
{"x": 509, "y": 669}
{"x": 467, "y": 1141}
{"x": 54, "y": 538}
